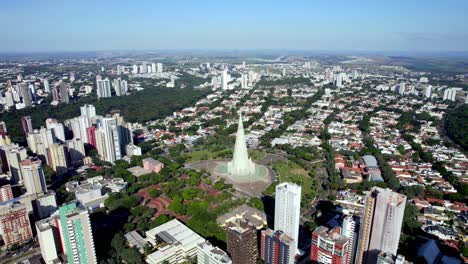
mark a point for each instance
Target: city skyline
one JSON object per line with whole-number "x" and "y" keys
{"x": 416, "y": 26}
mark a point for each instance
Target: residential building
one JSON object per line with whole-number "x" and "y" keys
{"x": 209, "y": 254}
{"x": 33, "y": 176}
{"x": 26, "y": 123}
{"x": 380, "y": 224}
{"x": 76, "y": 235}
{"x": 15, "y": 227}
{"x": 133, "y": 150}
{"x": 5, "y": 193}
{"x": 91, "y": 136}
{"x": 329, "y": 247}
{"x": 47, "y": 235}
{"x": 242, "y": 242}
{"x": 350, "y": 230}
{"x": 57, "y": 156}
{"x": 277, "y": 248}
{"x": 45, "y": 205}
{"x": 103, "y": 88}
{"x": 88, "y": 111}
{"x": 11, "y": 156}
{"x": 153, "y": 165}
{"x": 287, "y": 209}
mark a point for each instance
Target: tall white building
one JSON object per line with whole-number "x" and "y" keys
{"x": 153, "y": 67}
{"x": 88, "y": 111}
{"x": 33, "y": 176}
{"x": 287, "y": 209}
{"x": 45, "y": 205}
{"x": 57, "y": 129}
{"x": 159, "y": 67}
{"x": 350, "y": 229}
{"x": 428, "y": 91}
{"x": 76, "y": 151}
{"x": 108, "y": 140}
{"x": 120, "y": 87}
{"x": 244, "y": 81}
{"x": 11, "y": 156}
{"x": 103, "y": 88}
{"x": 135, "y": 68}
{"x": 46, "y": 86}
{"x": 381, "y": 223}
{"x": 225, "y": 79}
{"x": 47, "y": 240}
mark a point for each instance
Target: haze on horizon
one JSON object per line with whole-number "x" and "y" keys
{"x": 418, "y": 26}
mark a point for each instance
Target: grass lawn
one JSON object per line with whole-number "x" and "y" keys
{"x": 292, "y": 172}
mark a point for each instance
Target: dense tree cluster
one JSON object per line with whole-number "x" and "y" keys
{"x": 456, "y": 124}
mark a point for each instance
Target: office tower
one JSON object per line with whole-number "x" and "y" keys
{"x": 11, "y": 156}
{"x": 242, "y": 242}
{"x": 135, "y": 68}
{"x": 103, "y": 89}
{"x": 91, "y": 136}
{"x": 76, "y": 235}
{"x": 329, "y": 247}
{"x": 380, "y": 224}
{"x": 225, "y": 79}
{"x": 159, "y": 67}
{"x": 64, "y": 93}
{"x": 47, "y": 235}
{"x": 45, "y": 205}
{"x": 58, "y": 131}
{"x": 287, "y": 209}
{"x": 25, "y": 93}
{"x": 276, "y": 247}
{"x": 5, "y": 193}
{"x": 46, "y": 86}
{"x": 33, "y": 176}
{"x": 15, "y": 227}
{"x": 350, "y": 230}
{"x": 88, "y": 111}
{"x": 76, "y": 152}
{"x": 209, "y": 254}
{"x": 26, "y": 122}
{"x": 57, "y": 156}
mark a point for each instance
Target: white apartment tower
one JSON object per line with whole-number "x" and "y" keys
{"x": 33, "y": 176}
{"x": 287, "y": 209}
{"x": 103, "y": 88}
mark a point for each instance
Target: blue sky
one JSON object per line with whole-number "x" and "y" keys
{"x": 350, "y": 25}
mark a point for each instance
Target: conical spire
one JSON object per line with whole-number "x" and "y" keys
{"x": 240, "y": 163}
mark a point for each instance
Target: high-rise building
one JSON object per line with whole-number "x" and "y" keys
{"x": 3, "y": 128}
{"x": 350, "y": 230}
{"x": 11, "y": 156}
{"x": 88, "y": 111}
{"x": 380, "y": 224}
{"x": 287, "y": 209}
{"x": 276, "y": 247}
{"x": 5, "y": 193}
{"x": 45, "y": 205}
{"x": 64, "y": 93}
{"x": 402, "y": 88}
{"x": 103, "y": 88}
{"x": 329, "y": 247}
{"x": 135, "y": 68}
{"x": 108, "y": 140}
{"x": 153, "y": 67}
{"x": 159, "y": 67}
{"x": 76, "y": 235}
{"x": 33, "y": 176}
{"x": 57, "y": 156}
{"x": 26, "y": 122}
{"x": 76, "y": 152}
{"x": 428, "y": 91}
{"x": 47, "y": 235}
{"x": 120, "y": 87}
{"x": 209, "y": 254}
{"x": 57, "y": 128}
{"x": 225, "y": 79}
{"x": 46, "y": 86}
{"x": 15, "y": 227}
{"x": 25, "y": 93}
{"x": 91, "y": 136}
{"x": 242, "y": 242}
{"x": 244, "y": 81}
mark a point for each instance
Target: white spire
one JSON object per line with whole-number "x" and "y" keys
{"x": 241, "y": 165}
